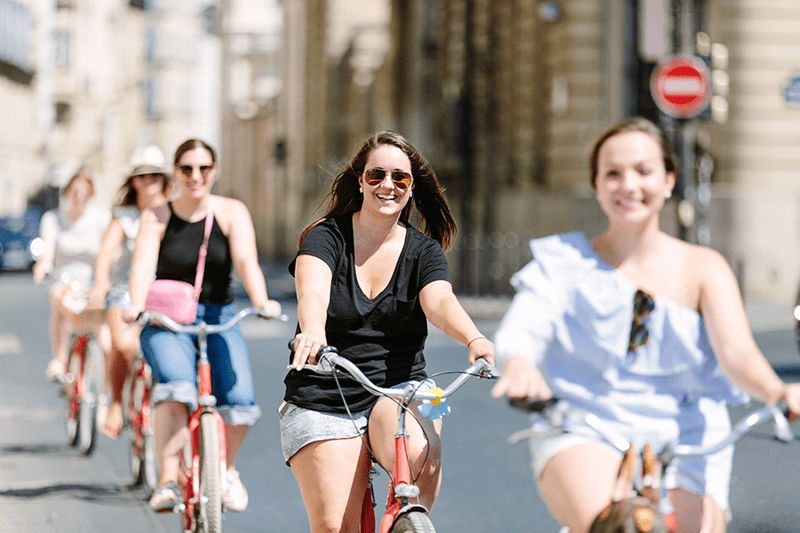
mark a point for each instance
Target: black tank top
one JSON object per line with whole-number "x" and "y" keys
{"x": 177, "y": 258}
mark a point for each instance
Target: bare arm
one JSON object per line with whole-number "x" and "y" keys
{"x": 152, "y": 225}
{"x": 49, "y": 236}
{"x": 443, "y": 310}
{"x": 731, "y": 337}
{"x": 244, "y": 254}
{"x": 112, "y": 240}
{"x": 313, "y": 284}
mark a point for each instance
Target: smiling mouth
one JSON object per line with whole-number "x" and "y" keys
{"x": 386, "y": 198}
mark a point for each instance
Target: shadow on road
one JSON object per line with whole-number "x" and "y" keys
{"x": 93, "y": 492}
{"x": 107, "y": 493}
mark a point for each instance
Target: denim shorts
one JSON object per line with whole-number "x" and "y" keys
{"x": 173, "y": 360}
{"x": 300, "y": 426}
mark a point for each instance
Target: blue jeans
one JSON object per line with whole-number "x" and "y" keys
{"x": 173, "y": 359}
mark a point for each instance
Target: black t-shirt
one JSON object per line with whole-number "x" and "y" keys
{"x": 384, "y": 336}
{"x": 177, "y": 258}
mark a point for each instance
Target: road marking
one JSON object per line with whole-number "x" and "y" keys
{"x": 10, "y": 344}
{"x": 34, "y": 414}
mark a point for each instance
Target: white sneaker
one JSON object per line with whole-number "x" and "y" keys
{"x": 237, "y": 498}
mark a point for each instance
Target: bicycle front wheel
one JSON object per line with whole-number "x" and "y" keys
{"x": 210, "y": 508}
{"x": 70, "y": 392}
{"x": 142, "y": 446}
{"x": 92, "y": 383}
{"x": 413, "y": 522}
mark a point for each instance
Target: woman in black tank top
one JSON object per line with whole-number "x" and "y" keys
{"x": 167, "y": 247}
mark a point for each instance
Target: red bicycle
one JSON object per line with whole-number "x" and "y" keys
{"x": 82, "y": 384}
{"x": 403, "y": 514}
{"x": 204, "y": 465}
{"x": 140, "y": 424}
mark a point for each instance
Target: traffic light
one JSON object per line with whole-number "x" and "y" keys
{"x": 716, "y": 56}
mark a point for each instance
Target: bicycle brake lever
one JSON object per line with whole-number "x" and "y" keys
{"x": 783, "y": 432}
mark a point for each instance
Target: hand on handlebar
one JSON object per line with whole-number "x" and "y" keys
{"x": 306, "y": 347}
{"x": 481, "y": 348}
{"x": 791, "y": 397}
{"x": 521, "y": 379}
{"x": 131, "y": 314}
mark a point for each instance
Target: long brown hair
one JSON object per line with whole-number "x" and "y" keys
{"x": 633, "y": 124}
{"x": 127, "y": 195}
{"x": 345, "y": 198}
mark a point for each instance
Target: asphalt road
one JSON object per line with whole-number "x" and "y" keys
{"x": 46, "y": 486}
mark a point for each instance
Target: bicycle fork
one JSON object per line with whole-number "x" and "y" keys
{"x": 401, "y": 486}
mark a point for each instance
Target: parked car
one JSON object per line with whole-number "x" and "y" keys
{"x": 20, "y": 245}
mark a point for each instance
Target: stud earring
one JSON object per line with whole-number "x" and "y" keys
{"x": 360, "y": 189}
{"x": 668, "y": 194}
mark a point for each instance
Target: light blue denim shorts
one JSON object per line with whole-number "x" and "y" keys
{"x": 300, "y": 426}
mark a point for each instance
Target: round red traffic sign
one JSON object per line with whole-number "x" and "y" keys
{"x": 681, "y": 86}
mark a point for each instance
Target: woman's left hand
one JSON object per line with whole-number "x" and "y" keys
{"x": 481, "y": 347}
{"x": 271, "y": 307}
{"x": 791, "y": 395}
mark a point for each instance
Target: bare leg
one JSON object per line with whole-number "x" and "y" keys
{"x": 577, "y": 483}
{"x": 332, "y": 477}
{"x": 171, "y": 434}
{"x": 124, "y": 344}
{"x": 695, "y": 514}
{"x": 425, "y": 449}
{"x": 234, "y": 438}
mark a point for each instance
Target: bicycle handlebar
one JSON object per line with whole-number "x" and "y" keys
{"x": 147, "y": 317}
{"x": 328, "y": 358}
{"x": 556, "y": 411}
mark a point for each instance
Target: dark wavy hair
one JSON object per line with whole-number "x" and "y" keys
{"x": 633, "y": 124}
{"x": 345, "y": 198}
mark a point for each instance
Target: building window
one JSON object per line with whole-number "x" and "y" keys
{"x": 62, "y": 41}
{"x": 62, "y": 112}
{"x": 15, "y": 35}
{"x": 150, "y": 97}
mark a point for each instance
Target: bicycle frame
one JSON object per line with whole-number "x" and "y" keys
{"x": 401, "y": 485}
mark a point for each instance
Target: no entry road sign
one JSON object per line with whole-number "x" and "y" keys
{"x": 681, "y": 86}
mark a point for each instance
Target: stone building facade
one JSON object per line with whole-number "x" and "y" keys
{"x": 506, "y": 96}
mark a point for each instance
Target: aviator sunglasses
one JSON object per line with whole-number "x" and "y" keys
{"x": 375, "y": 176}
{"x": 643, "y": 305}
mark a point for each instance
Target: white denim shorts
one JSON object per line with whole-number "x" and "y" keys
{"x": 300, "y": 426}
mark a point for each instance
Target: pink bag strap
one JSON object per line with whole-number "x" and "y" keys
{"x": 201, "y": 259}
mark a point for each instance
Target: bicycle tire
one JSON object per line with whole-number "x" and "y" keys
{"x": 87, "y": 412}
{"x": 210, "y": 504}
{"x": 413, "y": 522}
{"x": 142, "y": 445}
{"x": 71, "y": 412}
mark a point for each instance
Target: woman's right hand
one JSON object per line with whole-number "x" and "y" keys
{"x": 131, "y": 314}
{"x": 40, "y": 271}
{"x": 521, "y": 379}
{"x": 306, "y": 347}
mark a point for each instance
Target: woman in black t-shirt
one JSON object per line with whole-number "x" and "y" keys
{"x": 367, "y": 283}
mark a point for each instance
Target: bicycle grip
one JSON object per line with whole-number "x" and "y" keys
{"x": 531, "y": 405}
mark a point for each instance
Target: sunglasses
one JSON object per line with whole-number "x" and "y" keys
{"x": 375, "y": 176}
{"x": 187, "y": 170}
{"x": 643, "y": 305}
